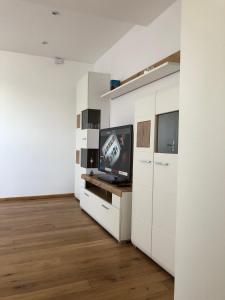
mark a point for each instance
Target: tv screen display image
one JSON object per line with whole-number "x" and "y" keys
{"x": 115, "y": 151}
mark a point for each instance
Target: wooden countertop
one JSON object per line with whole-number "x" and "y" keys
{"x": 107, "y": 186}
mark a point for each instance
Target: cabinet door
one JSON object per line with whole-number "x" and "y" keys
{"x": 164, "y": 210}
{"x": 89, "y": 138}
{"x": 143, "y": 172}
{"x": 82, "y": 94}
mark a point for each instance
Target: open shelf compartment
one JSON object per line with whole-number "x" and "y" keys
{"x": 101, "y": 193}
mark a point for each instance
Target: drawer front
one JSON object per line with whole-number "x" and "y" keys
{"x": 89, "y": 138}
{"x": 103, "y": 212}
{"x": 89, "y": 203}
{"x": 83, "y": 139}
{"x": 109, "y": 218}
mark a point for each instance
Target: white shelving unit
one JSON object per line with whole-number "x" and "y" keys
{"x": 155, "y": 74}
{"x": 89, "y": 89}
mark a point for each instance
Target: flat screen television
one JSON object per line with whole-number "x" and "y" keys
{"x": 116, "y": 153}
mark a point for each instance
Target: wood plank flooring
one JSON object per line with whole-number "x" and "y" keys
{"x": 51, "y": 250}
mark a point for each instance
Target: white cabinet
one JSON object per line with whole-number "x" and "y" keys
{"x": 165, "y": 190}
{"x": 155, "y": 181}
{"x": 104, "y": 213}
{"x": 143, "y": 175}
{"x": 114, "y": 215}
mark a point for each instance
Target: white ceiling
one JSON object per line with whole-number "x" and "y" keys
{"x": 84, "y": 30}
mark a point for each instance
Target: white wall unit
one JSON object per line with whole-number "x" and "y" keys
{"x": 155, "y": 183}
{"x": 89, "y": 89}
{"x": 115, "y": 217}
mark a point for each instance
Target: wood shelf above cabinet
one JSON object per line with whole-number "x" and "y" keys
{"x": 106, "y": 186}
{"x": 154, "y": 74}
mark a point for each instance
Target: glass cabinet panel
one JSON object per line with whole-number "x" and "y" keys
{"x": 167, "y": 133}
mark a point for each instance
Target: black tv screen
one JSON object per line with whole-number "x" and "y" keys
{"x": 116, "y": 151}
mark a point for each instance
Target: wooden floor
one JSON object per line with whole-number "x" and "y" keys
{"x": 50, "y": 249}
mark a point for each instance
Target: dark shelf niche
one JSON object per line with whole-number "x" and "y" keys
{"x": 91, "y": 119}
{"x": 86, "y": 156}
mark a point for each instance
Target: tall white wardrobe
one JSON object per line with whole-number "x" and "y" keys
{"x": 155, "y": 173}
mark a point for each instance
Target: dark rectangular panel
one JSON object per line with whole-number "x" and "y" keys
{"x": 89, "y": 158}
{"x": 167, "y": 133}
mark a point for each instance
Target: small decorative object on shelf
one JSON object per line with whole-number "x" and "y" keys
{"x": 114, "y": 84}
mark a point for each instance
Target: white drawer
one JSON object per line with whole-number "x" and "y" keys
{"x": 89, "y": 138}
{"x": 109, "y": 218}
{"x": 90, "y": 203}
{"x": 101, "y": 211}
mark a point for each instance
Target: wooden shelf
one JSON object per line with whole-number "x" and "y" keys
{"x": 106, "y": 186}
{"x": 155, "y": 74}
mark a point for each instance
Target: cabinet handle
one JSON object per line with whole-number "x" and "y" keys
{"x": 86, "y": 194}
{"x": 84, "y": 139}
{"x": 146, "y": 161}
{"x": 159, "y": 163}
{"x": 105, "y": 207}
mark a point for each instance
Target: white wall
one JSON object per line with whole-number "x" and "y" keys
{"x": 138, "y": 49}
{"x": 200, "y": 254}
{"x": 143, "y": 46}
{"x": 37, "y": 122}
